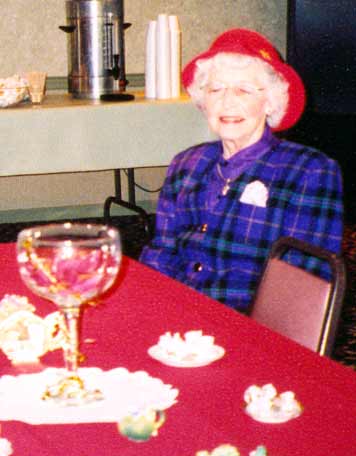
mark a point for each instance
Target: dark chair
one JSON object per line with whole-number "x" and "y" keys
{"x": 297, "y": 303}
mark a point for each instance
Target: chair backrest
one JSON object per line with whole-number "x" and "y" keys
{"x": 297, "y": 303}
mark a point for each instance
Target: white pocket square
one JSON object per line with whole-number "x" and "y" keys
{"x": 255, "y": 193}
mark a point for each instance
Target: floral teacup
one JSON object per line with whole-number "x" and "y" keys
{"x": 140, "y": 426}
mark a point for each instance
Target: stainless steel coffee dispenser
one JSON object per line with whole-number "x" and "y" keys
{"x": 96, "y": 48}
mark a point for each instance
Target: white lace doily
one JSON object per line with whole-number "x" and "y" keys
{"x": 124, "y": 392}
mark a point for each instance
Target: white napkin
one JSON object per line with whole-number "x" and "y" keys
{"x": 255, "y": 193}
{"x": 124, "y": 393}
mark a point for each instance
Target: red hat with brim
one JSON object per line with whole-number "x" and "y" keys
{"x": 248, "y": 42}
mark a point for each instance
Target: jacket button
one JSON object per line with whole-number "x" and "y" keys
{"x": 204, "y": 228}
{"x": 198, "y": 267}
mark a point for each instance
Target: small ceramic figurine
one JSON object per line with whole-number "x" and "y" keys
{"x": 264, "y": 404}
{"x": 192, "y": 343}
{"x": 259, "y": 451}
{"x": 5, "y": 447}
{"x": 24, "y": 336}
{"x": 229, "y": 450}
{"x": 222, "y": 450}
{"x": 140, "y": 426}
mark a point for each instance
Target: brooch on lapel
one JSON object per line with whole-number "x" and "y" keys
{"x": 255, "y": 193}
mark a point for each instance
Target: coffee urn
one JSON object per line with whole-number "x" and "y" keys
{"x": 96, "y": 48}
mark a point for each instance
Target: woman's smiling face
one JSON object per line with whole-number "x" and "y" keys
{"x": 236, "y": 105}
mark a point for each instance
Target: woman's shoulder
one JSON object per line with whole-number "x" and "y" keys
{"x": 205, "y": 152}
{"x": 289, "y": 152}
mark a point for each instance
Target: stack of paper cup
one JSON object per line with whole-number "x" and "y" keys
{"x": 163, "y": 58}
{"x": 37, "y": 85}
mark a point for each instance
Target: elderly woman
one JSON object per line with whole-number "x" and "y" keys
{"x": 225, "y": 202}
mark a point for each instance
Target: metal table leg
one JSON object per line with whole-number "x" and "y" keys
{"x": 131, "y": 203}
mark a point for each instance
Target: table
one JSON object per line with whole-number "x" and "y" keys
{"x": 65, "y": 135}
{"x": 145, "y": 304}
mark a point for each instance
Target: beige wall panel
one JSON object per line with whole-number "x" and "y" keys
{"x": 30, "y": 38}
{"x": 71, "y": 189}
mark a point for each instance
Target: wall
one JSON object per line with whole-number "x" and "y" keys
{"x": 31, "y": 40}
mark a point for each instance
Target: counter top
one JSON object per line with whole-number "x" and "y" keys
{"x": 68, "y": 135}
{"x": 57, "y": 99}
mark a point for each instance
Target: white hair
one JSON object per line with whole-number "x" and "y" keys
{"x": 276, "y": 86}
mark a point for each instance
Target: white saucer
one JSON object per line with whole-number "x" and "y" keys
{"x": 189, "y": 360}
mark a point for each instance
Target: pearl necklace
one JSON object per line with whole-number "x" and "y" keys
{"x": 227, "y": 181}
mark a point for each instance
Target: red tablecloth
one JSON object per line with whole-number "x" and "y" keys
{"x": 145, "y": 304}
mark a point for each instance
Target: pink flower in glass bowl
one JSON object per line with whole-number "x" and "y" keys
{"x": 36, "y": 275}
{"x": 83, "y": 273}
{"x": 68, "y": 270}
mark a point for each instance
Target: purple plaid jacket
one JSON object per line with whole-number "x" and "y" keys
{"x": 220, "y": 249}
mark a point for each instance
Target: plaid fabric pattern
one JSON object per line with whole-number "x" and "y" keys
{"x": 221, "y": 250}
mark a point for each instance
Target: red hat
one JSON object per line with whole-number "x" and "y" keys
{"x": 248, "y": 42}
